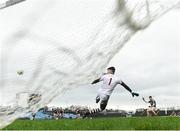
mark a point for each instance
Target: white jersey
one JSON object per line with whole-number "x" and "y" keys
{"x": 109, "y": 83}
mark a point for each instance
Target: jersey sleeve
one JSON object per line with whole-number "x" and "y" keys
{"x": 119, "y": 81}
{"x": 102, "y": 78}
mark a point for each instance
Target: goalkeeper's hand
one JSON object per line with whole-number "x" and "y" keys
{"x": 134, "y": 94}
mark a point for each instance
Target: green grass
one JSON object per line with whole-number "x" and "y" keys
{"x": 122, "y": 123}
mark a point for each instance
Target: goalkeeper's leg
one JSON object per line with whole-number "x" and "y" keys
{"x": 104, "y": 102}
{"x": 103, "y": 105}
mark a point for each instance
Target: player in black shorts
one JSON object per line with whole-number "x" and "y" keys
{"x": 151, "y": 110}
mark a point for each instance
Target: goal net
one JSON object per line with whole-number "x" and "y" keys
{"x": 49, "y": 47}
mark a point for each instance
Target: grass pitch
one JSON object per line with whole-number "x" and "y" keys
{"x": 119, "y": 123}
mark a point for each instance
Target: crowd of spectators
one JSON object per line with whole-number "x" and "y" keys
{"x": 78, "y": 111}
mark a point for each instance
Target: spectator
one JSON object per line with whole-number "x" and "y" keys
{"x": 33, "y": 116}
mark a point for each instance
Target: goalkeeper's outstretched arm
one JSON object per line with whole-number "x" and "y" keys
{"x": 126, "y": 87}
{"x": 96, "y": 81}
{"x": 129, "y": 89}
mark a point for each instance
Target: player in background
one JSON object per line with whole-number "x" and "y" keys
{"x": 110, "y": 81}
{"x": 151, "y": 110}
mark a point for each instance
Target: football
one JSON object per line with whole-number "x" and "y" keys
{"x": 20, "y": 72}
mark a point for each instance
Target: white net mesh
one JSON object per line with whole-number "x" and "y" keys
{"x": 35, "y": 61}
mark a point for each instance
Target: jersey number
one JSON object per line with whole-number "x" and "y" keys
{"x": 110, "y": 81}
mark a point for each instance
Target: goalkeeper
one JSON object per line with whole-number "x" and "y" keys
{"x": 109, "y": 83}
